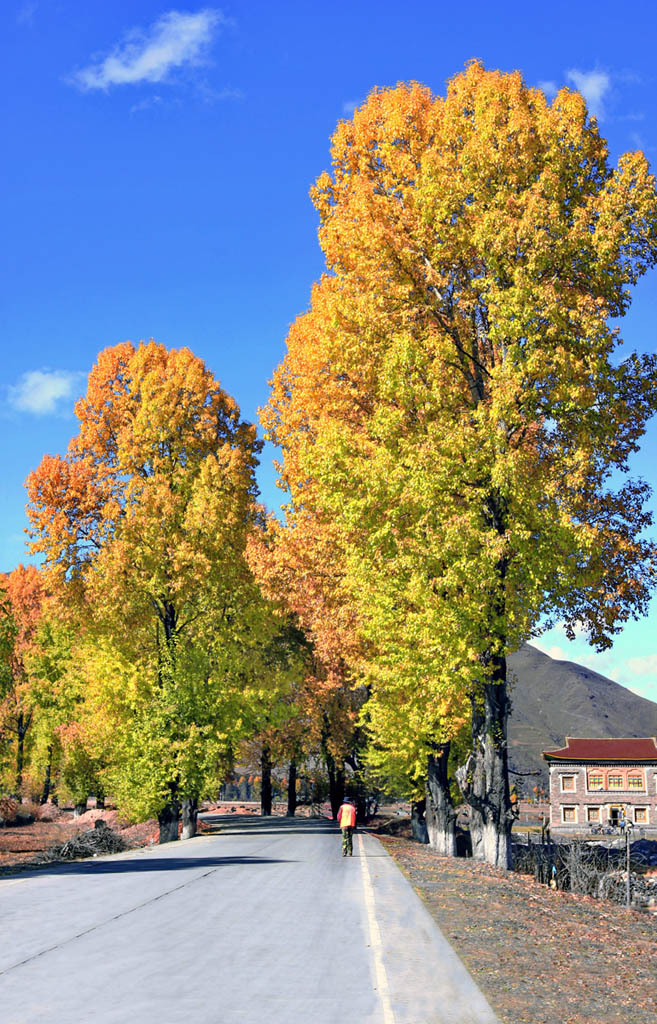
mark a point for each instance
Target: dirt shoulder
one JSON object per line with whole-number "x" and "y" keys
{"x": 20, "y": 845}
{"x": 540, "y": 956}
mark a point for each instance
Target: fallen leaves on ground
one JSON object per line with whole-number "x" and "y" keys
{"x": 540, "y": 956}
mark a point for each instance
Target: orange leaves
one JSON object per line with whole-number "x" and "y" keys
{"x": 23, "y": 595}
{"x": 156, "y": 484}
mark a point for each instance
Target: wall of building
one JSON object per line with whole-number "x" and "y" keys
{"x": 583, "y": 797}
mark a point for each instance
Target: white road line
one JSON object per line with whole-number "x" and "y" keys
{"x": 375, "y": 938}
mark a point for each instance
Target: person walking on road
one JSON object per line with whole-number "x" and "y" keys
{"x": 347, "y": 822}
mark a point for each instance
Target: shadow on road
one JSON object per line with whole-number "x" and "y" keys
{"x": 231, "y": 824}
{"x": 117, "y": 865}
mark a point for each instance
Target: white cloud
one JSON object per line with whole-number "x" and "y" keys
{"x": 349, "y": 106}
{"x": 643, "y": 666}
{"x": 593, "y": 85}
{"x": 557, "y": 653}
{"x": 25, "y": 15}
{"x": 146, "y": 104}
{"x": 549, "y": 88}
{"x": 44, "y": 392}
{"x": 176, "y": 39}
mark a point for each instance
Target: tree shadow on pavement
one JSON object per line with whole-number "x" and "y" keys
{"x": 118, "y": 865}
{"x": 231, "y": 824}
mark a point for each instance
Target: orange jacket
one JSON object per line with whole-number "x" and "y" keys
{"x": 347, "y": 816}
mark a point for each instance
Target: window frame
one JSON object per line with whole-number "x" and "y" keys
{"x": 562, "y": 779}
{"x": 636, "y": 774}
{"x": 569, "y": 807}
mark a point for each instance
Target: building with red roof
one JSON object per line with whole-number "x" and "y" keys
{"x": 603, "y": 782}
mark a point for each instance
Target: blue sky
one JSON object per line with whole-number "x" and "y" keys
{"x": 158, "y": 161}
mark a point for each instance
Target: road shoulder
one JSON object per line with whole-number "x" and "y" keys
{"x": 420, "y": 977}
{"x": 538, "y": 955}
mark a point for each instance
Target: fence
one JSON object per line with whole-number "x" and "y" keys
{"x": 615, "y": 872}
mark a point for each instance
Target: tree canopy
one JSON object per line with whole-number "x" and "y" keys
{"x": 453, "y": 399}
{"x": 143, "y": 526}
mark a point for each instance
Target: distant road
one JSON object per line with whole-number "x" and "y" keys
{"x": 262, "y": 923}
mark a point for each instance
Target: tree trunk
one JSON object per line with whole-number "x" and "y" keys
{"x": 440, "y": 813}
{"x": 491, "y": 814}
{"x": 21, "y": 730}
{"x": 189, "y": 817}
{"x": 292, "y": 789}
{"x": 100, "y": 800}
{"x": 265, "y": 794}
{"x": 46, "y": 778}
{"x": 418, "y": 821}
{"x": 80, "y": 807}
{"x": 168, "y": 817}
{"x": 336, "y": 786}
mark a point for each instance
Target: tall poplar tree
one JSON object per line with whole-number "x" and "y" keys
{"x": 143, "y": 527}
{"x": 454, "y": 400}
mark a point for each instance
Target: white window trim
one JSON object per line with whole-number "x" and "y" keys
{"x": 594, "y": 807}
{"x": 568, "y": 775}
{"x": 570, "y": 807}
{"x": 642, "y": 807}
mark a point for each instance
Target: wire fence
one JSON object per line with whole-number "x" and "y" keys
{"x": 618, "y": 871}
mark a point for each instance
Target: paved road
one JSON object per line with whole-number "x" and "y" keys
{"x": 263, "y": 923}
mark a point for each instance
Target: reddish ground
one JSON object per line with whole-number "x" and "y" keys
{"x": 20, "y": 844}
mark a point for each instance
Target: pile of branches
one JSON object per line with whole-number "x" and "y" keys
{"x": 93, "y": 843}
{"x": 587, "y": 870}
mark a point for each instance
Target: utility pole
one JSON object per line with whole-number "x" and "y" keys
{"x": 628, "y": 887}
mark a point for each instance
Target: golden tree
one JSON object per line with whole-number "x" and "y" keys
{"x": 453, "y": 402}
{"x": 143, "y": 526}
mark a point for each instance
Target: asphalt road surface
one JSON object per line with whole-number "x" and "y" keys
{"x": 262, "y": 923}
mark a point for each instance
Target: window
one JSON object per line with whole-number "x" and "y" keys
{"x": 635, "y": 782}
{"x": 641, "y": 815}
{"x": 615, "y": 781}
{"x": 568, "y": 814}
{"x": 593, "y": 814}
{"x": 567, "y": 783}
{"x": 596, "y": 781}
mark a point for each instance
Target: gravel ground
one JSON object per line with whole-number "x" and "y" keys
{"x": 540, "y": 956}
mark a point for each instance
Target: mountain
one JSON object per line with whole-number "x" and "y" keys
{"x": 554, "y": 699}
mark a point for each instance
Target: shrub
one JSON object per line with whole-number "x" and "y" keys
{"x": 9, "y": 807}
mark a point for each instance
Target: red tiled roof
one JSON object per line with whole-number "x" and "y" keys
{"x": 642, "y": 748}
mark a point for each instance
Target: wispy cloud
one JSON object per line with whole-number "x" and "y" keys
{"x": 25, "y": 13}
{"x": 349, "y": 106}
{"x": 643, "y": 666}
{"x": 146, "y": 104}
{"x": 594, "y": 86}
{"x": 175, "y": 40}
{"x": 638, "y": 673}
{"x": 549, "y": 88}
{"x": 636, "y": 116}
{"x": 44, "y": 392}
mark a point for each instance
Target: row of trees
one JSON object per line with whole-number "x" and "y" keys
{"x": 143, "y": 658}
{"x": 455, "y": 423}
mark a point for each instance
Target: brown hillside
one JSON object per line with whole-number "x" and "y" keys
{"x": 554, "y": 699}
